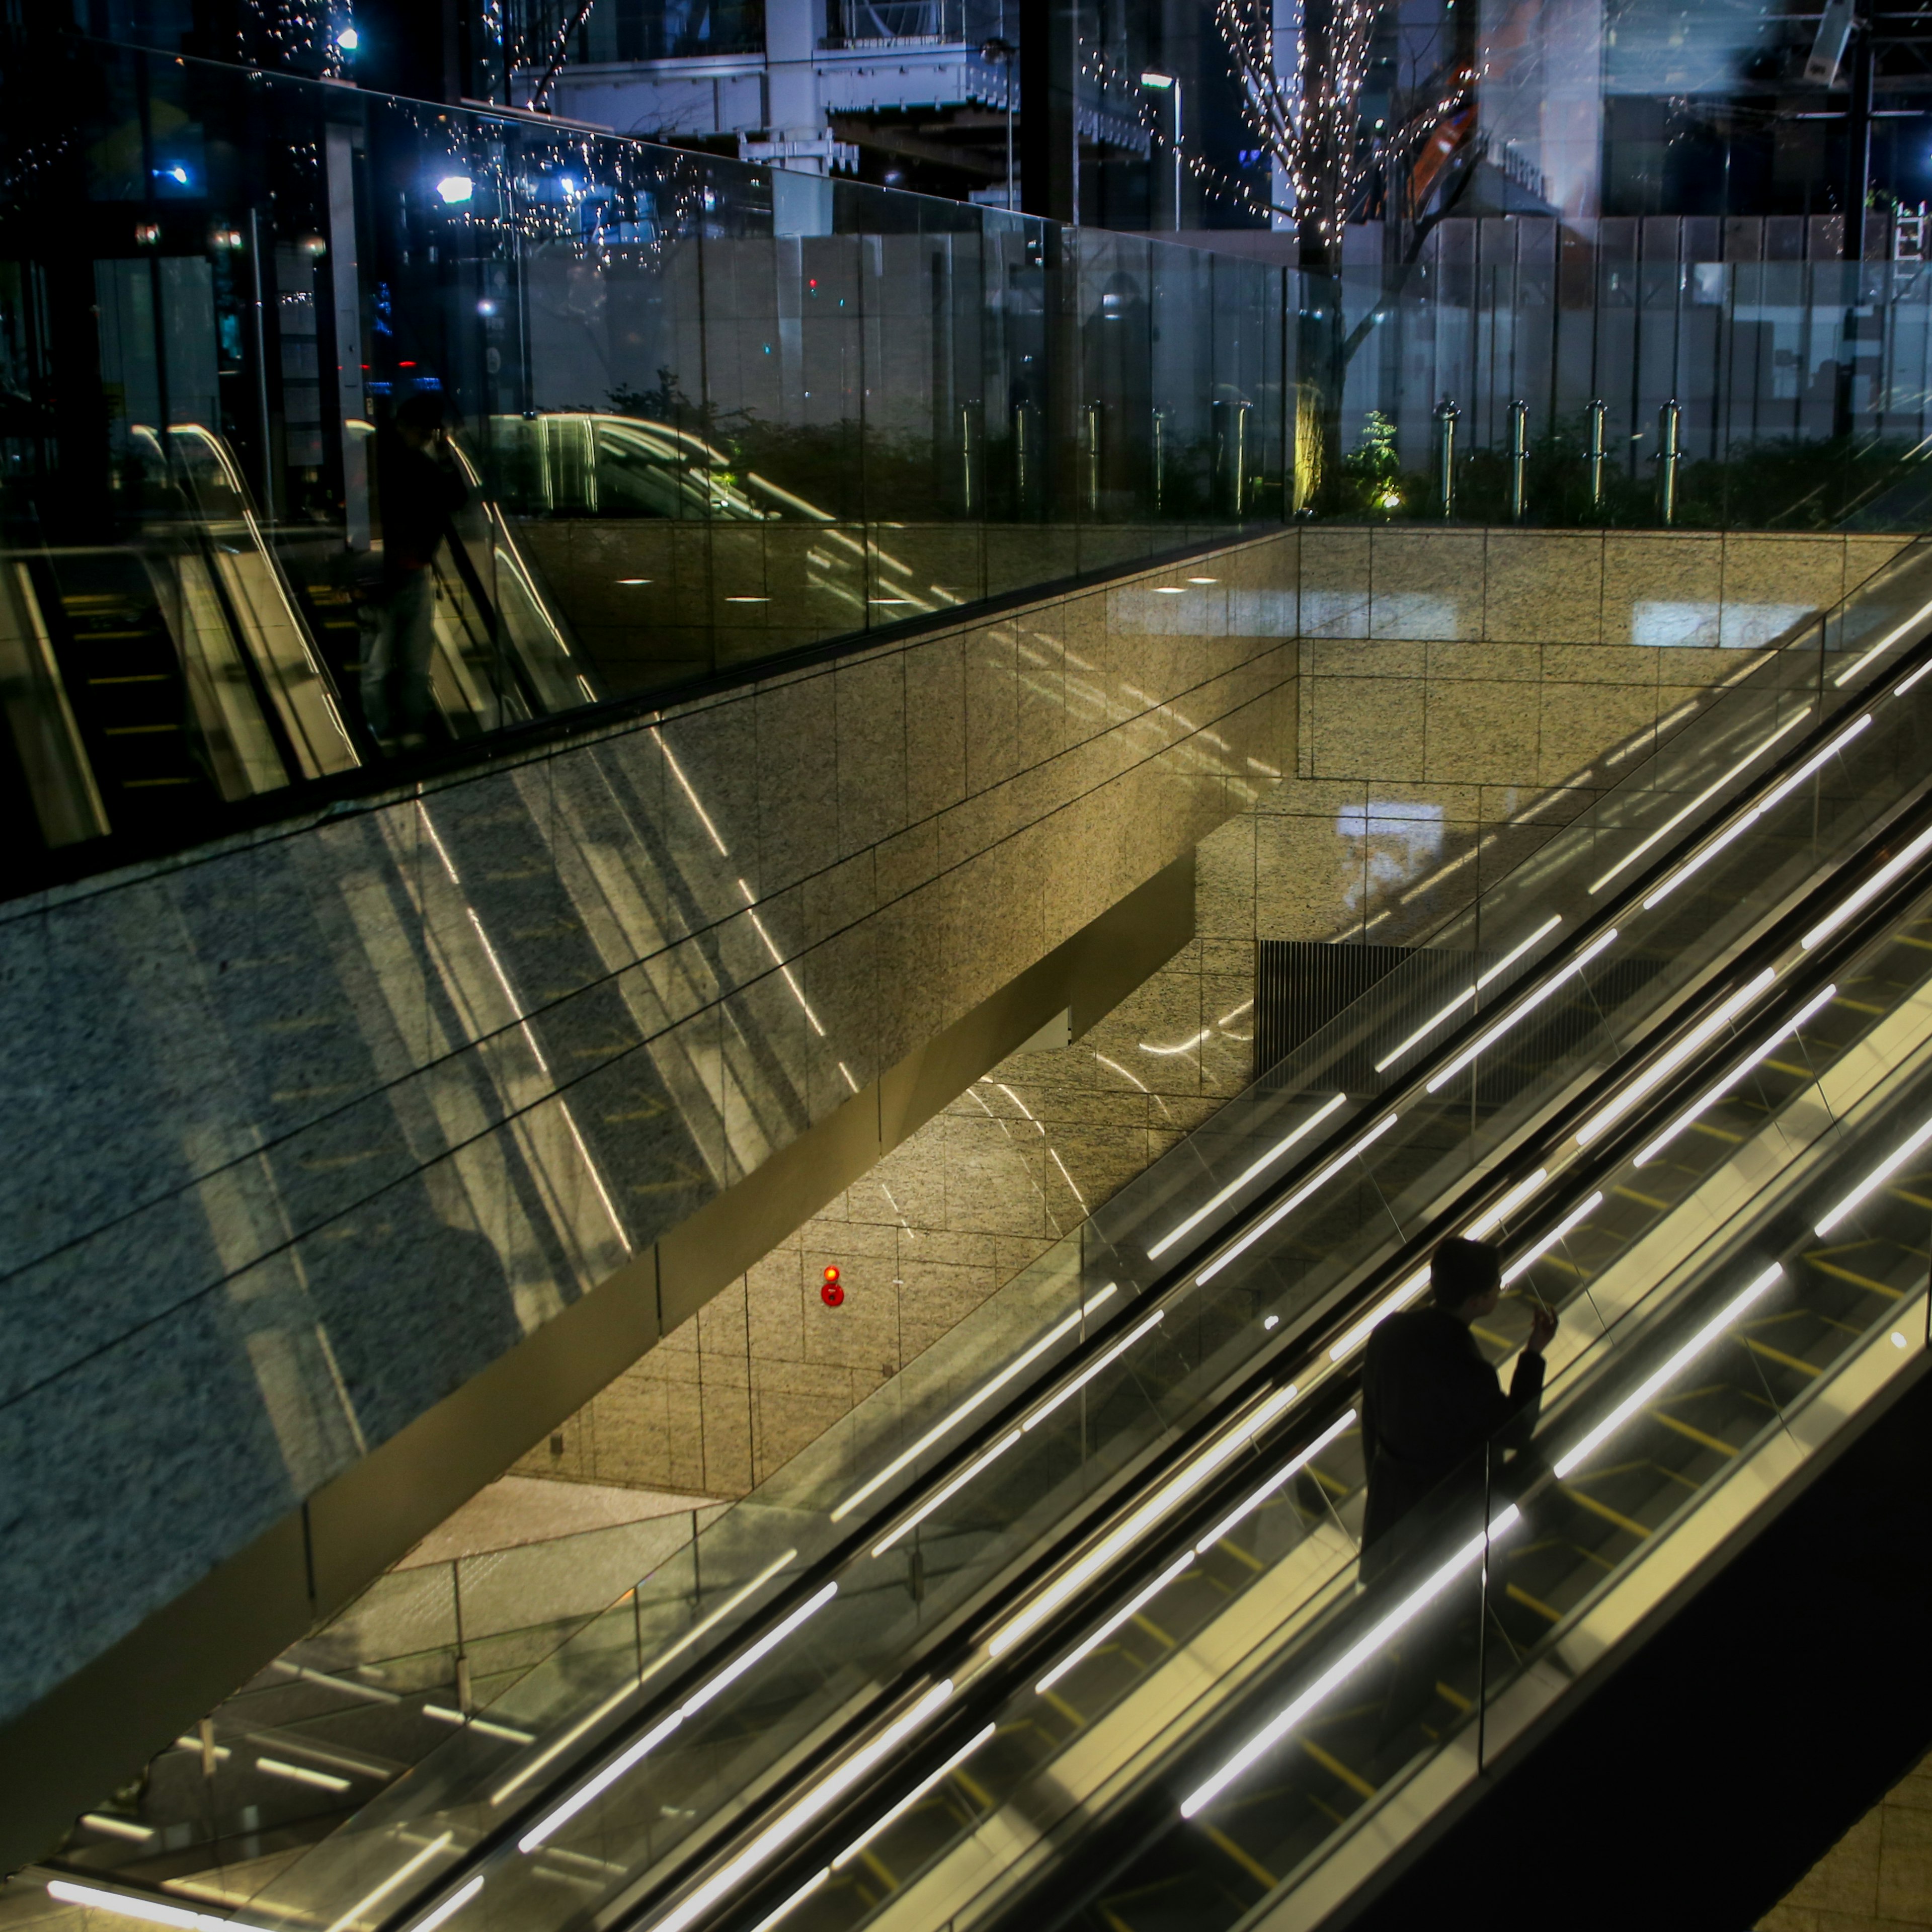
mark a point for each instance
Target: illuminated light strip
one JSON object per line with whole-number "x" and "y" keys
{"x": 778, "y": 959}
{"x": 797, "y": 1899}
{"x": 911, "y": 1798}
{"x": 1484, "y": 1224}
{"x": 1869, "y": 891}
{"x": 946, "y": 1495}
{"x": 448, "y": 1908}
{"x": 1076, "y": 1577}
{"x": 1462, "y": 999}
{"x": 151, "y": 1909}
{"x": 1670, "y": 825}
{"x": 1295, "y": 1200}
{"x": 1881, "y": 1174}
{"x": 1092, "y": 1369}
{"x": 1900, "y": 690}
{"x": 986, "y": 1391}
{"x": 704, "y": 817}
{"x": 1528, "y": 1259}
{"x": 1364, "y": 1329}
{"x": 1234, "y": 1186}
{"x": 1285, "y": 1473}
{"x": 1698, "y": 860}
{"x": 1695, "y": 1041}
{"x": 1485, "y": 1040}
{"x": 401, "y": 1875}
{"x": 658, "y": 1731}
{"x": 824, "y": 1795}
{"x": 1491, "y": 1218}
{"x": 1131, "y": 1608}
{"x": 1712, "y": 1095}
{"x": 1346, "y": 1665}
{"x": 1885, "y": 643}
{"x": 1697, "y": 1344}
{"x": 525, "y": 1772}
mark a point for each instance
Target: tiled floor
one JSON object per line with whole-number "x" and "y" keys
{"x": 1877, "y": 1877}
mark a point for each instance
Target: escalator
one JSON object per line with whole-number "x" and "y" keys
{"x": 815, "y": 1656}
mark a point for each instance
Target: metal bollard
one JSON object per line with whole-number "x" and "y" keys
{"x": 1669, "y": 454}
{"x": 1020, "y": 455}
{"x": 1447, "y": 412}
{"x": 1159, "y": 459}
{"x": 966, "y": 456}
{"x": 1090, "y": 415}
{"x": 1599, "y": 409}
{"x": 1518, "y": 455}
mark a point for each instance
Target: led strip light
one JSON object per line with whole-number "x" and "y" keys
{"x": 1234, "y": 1187}
{"x": 1462, "y": 999}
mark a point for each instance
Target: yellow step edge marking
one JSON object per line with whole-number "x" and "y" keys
{"x": 1857, "y": 1280}
{"x": 1778, "y": 1355}
{"x": 1222, "y": 1842}
{"x": 1450, "y": 1695}
{"x": 1604, "y": 1511}
{"x": 1241, "y": 1556}
{"x": 1642, "y": 1200}
{"x": 1695, "y": 1434}
{"x": 1334, "y": 1765}
{"x": 1542, "y": 1609}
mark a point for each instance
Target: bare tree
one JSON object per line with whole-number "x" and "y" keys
{"x": 1413, "y": 164}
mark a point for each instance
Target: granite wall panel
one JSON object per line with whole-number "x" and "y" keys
{"x": 309, "y": 1126}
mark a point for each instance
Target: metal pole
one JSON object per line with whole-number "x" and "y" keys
{"x": 1599, "y": 409}
{"x": 966, "y": 455}
{"x": 1446, "y": 414}
{"x": 1091, "y": 411}
{"x": 1159, "y": 459}
{"x": 1669, "y": 427}
{"x": 1519, "y": 432}
{"x": 1176, "y": 155}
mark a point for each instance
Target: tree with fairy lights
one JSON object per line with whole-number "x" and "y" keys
{"x": 1411, "y": 165}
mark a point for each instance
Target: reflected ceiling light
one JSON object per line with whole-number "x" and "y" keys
{"x": 1869, "y": 891}
{"x": 1160, "y": 82}
{"x": 1462, "y": 999}
{"x": 455, "y": 189}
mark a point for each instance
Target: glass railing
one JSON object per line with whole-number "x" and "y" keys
{"x": 930, "y": 1492}
{"x": 1735, "y": 1280}
{"x": 704, "y": 414}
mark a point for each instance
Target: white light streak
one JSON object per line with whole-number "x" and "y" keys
{"x": 1127, "y": 1611}
{"x": 448, "y": 1908}
{"x": 1710, "y": 791}
{"x": 1346, "y": 1665}
{"x": 525, "y": 1772}
{"x": 1743, "y": 823}
{"x": 151, "y": 1909}
{"x": 1885, "y": 643}
{"x": 821, "y": 1797}
{"x": 1076, "y": 1576}
{"x": 1468, "y": 993}
{"x": 978, "y": 1399}
{"x": 1286, "y": 1474}
{"x": 1870, "y": 890}
{"x": 1878, "y": 1176}
{"x": 1295, "y": 1200}
{"x": 1697, "y": 1344}
{"x": 1093, "y": 1369}
{"x": 981, "y": 1462}
{"x": 1234, "y": 1186}
{"x": 703, "y": 816}
{"x": 1713, "y": 1094}
{"x": 400, "y": 1875}
{"x": 912, "y": 1798}
{"x": 1517, "y": 1015}
{"x": 1694, "y": 1041}
{"x": 1530, "y": 1256}
{"x": 595, "y": 1787}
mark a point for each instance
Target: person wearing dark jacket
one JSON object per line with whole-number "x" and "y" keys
{"x": 419, "y": 489}
{"x": 1429, "y": 1401}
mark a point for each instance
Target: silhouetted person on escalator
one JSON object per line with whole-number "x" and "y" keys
{"x": 1429, "y": 1402}
{"x": 418, "y": 488}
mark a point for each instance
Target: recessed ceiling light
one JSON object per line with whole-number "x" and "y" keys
{"x": 748, "y": 600}
{"x": 1170, "y": 590}
{"x": 1204, "y": 579}
{"x": 634, "y": 580}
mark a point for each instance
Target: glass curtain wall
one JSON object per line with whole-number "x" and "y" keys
{"x": 697, "y": 415}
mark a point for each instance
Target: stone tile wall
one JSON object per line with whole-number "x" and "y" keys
{"x": 1877, "y": 1877}
{"x": 1416, "y": 749}
{"x": 308, "y": 1128}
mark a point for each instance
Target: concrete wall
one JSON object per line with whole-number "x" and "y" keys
{"x": 342, "y": 1160}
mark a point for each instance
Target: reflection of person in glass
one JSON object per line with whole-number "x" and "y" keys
{"x": 418, "y": 488}
{"x": 1429, "y": 1401}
